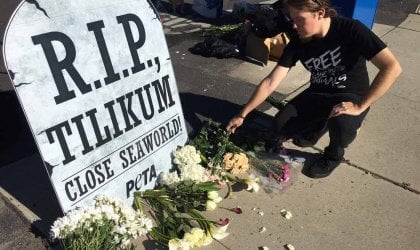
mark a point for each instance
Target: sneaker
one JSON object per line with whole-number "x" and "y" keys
{"x": 303, "y": 143}
{"x": 273, "y": 147}
{"x": 323, "y": 167}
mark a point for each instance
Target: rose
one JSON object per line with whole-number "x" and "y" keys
{"x": 236, "y": 163}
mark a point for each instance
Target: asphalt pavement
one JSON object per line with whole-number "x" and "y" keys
{"x": 370, "y": 202}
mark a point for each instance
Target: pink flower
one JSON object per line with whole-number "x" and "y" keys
{"x": 223, "y": 222}
{"x": 286, "y": 173}
{"x": 213, "y": 177}
{"x": 237, "y": 210}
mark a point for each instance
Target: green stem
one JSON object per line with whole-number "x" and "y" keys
{"x": 229, "y": 192}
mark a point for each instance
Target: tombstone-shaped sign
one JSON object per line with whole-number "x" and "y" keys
{"x": 97, "y": 86}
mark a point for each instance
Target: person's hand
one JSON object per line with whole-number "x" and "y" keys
{"x": 346, "y": 108}
{"x": 234, "y": 123}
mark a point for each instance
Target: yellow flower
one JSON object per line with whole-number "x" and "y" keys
{"x": 197, "y": 238}
{"x": 178, "y": 244}
{"x": 252, "y": 183}
{"x": 236, "y": 163}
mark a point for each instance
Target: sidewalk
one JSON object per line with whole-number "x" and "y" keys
{"x": 372, "y": 200}
{"x": 369, "y": 202}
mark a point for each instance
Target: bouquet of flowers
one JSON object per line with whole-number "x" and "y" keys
{"x": 176, "y": 211}
{"x": 227, "y": 161}
{"x": 201, "y": 168}
{"x": 224, "y": 161}
{"x": 108, "y": 224}
{"x": 176, "y": 204}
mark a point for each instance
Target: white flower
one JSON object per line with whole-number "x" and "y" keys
{"x": 252, "y": 183}
{"x": 219, "y": 233}
{"x": 55, "y": 231}
{"x": 262, "y": 230}
{"x": 286, "y": 214}
{"x": 194, "y": 173}
{"x": 218, "y": 199}
{"x": 214, "y": 196}
{"x": 125, "y": 242}
{"x": 186, "y": 155}
{"x": 168, "y": 178}
{"x": 206, "y": 240}
{"x": 178, "y": 244}
{"x": 211, "y": 205}
{"x": 128, "y": 223}
{"x": 290, "y": 247}
{"x": 146, "y": 223}
{"x": 196, "y": 237}
{"x": 120, "y": 230}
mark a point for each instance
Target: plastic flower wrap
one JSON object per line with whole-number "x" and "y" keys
{"x": 109, "y": 223}
{"x": 236, "y": 163}
{"x": 274, "y": 173}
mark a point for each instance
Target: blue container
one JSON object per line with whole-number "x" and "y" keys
{"x": 362, "y": 10}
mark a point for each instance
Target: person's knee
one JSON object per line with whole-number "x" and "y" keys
{"x": 342, "y": 131}
{"x": 283, "y": 116}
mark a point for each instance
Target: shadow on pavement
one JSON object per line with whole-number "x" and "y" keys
{"x": 22, "y": 173}
{"x": 166, "y": 8}
{"x": 199, "y": 108}
{"x": 393, "y": 13}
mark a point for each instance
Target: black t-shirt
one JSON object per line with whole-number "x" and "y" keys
{"x": 337, "y": 62}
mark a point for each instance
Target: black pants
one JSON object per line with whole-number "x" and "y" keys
{"x": 306, "y": 116}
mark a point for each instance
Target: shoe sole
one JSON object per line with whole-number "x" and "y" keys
{"x": 302, "y": 145}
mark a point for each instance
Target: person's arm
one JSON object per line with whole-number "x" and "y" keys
{"x": 264, "y": 89}
{"x": 389, "y": 70}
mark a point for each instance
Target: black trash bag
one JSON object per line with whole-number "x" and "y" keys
{"x": 268, "y": 22}
{"x": 214, "y": 47}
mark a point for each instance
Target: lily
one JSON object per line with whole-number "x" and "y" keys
{"x": 252, "y": 183}
{"x": 219, "y": 232}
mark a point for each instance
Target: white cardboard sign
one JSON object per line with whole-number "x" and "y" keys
{"x": 97, "y": 86}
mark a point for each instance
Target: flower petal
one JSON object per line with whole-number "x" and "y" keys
{"x": 223, "y": 222}
{"x": 237, "y": 210}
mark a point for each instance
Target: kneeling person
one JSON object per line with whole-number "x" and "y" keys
{"x": 334, "y": 49}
